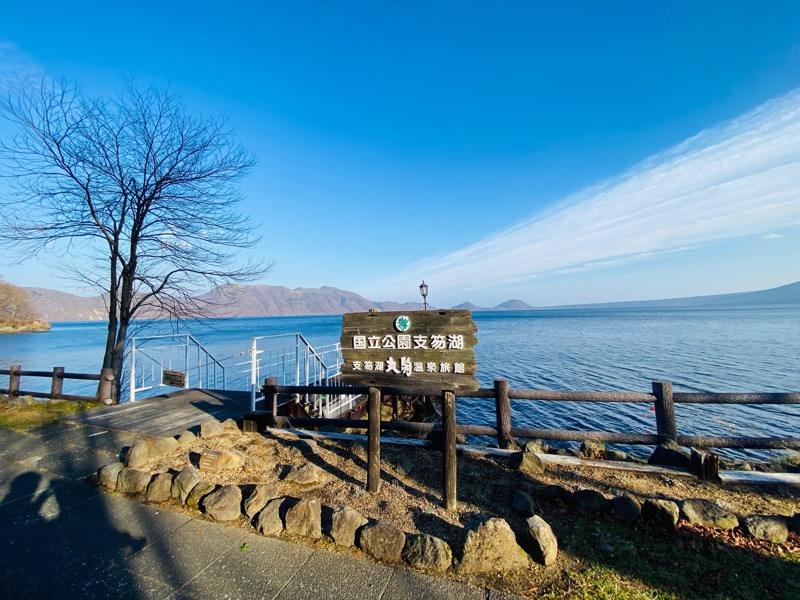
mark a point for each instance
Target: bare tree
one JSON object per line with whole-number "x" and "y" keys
{"x": 141, "y": 196}
{"x": 16, "y": 306}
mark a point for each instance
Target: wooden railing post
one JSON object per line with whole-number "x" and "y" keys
{"x": 502, "y": 405}
{"x": 665, "y": 411}
{"x": 449, "y": 447}
{"x": 13, "y": 380}
{"x": 57, "y": 384}
{"x": 374, "y": 441}
{"x": 105, "y": 389}
{"x": 271, "y": 398}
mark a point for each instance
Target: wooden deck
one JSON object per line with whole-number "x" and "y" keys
{"x": 170, "y": 414}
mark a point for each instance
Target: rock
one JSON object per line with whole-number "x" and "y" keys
{"x": 225, "y": 504}
{"x": 230, "y": 425}
{"x": 591, "y": 501}
{"x": 523, "y": 504}
{"x": 670, "y": 454}
{"x": 132, "y": 481}
{"x": 708, "y": 514}
{"x": 611, "y": 454}
{"x": 767, "y": 527}
{"x": 263, "y": 493}
{"x": 592, "y": 449}
{"x": 527, "y": 462}
{"x": 201, "y": 490}
{"x": 305, "y": 474}
{"x": 108, "y": 475}
{"x": 404, "y": 465}
{"x": 626, "y": 507}
{"x": 428, "y": 553}
{"x": 230, "y": 459}
{"x": 539, "y": 541}
{"x": 794, "y": 523}
{"x": 160, "y": 488}
{"x": 19, "y": 401}
{"x": 535, "y": 446}
{"x": 211, "y": 428}
{"x": 491, "y": 546}
{"x": 663, "y": 513}
{"x": 383, "y": 541}
{"x": 186, "y": 437}
{"x": 184, "y": 481}
{"x": 558, "y": 493}
{"x": 345, "y": 523}
{"x": 162, "y": 445}
{"x": 305, "y": 519}
{"x": 138, "y": 454}
{"x": 268, "y": 521}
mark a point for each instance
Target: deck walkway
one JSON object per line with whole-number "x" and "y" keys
{"x": 169, "y": 414}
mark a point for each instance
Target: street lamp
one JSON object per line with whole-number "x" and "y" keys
{"x": 423, "y": 289}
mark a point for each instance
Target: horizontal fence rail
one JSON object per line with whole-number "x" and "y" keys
{"x": 57, "y": 377}
{"x": 662, "y": 398}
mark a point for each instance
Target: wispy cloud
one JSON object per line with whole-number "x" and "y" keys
{"x": 740, "y": 178}
{"x": 773, "y": 236}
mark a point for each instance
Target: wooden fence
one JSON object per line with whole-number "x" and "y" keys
{"x": 57, "y": 377}
{"x": 662, "y": 398}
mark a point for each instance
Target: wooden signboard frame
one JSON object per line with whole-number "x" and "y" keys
{"x": 424, "y": 350}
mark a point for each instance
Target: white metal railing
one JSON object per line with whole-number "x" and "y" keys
{"x": 179, "y": 355}
{"x": 299, "y": 364}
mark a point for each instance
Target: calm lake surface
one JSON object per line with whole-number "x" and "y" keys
{"x": 703, "y": 350}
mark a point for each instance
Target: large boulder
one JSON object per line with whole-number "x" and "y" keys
{"x": 162, "y": 445}
{"x": 491, "y": 546}
{"x": 133, "y": 481}
{"x": 428, "y": 553}
{"x": 268, "y": 521}
{"x": 305, "y": 519}
{"x": 767, "y": 527}
{"x": 626, "y": 507}
{"x": 225, "y": 504}
{"x": 670, "y": 454}
{"x": 201, "y": 490}
{"x": 108, "y": 475}
{"x": 663, "y": 513}
{"x": 383, "y": 541}
{"x": 263, "y": 493}
{"x": 160, "y": 488}
{"x": 592, "y": 449}
{"x": 539, "y": 541}
{"x": 211, "y": 428}
{"x": 699, "y": 511}
{"x": 344, "y": 525}
{"x": 591, "y": 501}
{"x": 184, "y": 481}
{"x": 522, "y": 504}
{"x": 138, "y": 454}
{"x": 527, "y": 462}
{"x": 305, "y": 474}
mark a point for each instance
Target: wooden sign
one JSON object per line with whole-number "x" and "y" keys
{"x": 173, "y": 378}
{"x": 412, "y": 349}
{"x": 210, "y": 460}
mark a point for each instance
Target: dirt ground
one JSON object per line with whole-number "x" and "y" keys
{"x": 410, "y": 496}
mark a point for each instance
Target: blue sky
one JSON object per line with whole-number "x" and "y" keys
{"x": 557, "y": 153}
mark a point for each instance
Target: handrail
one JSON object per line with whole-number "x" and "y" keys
{"x": 57, "y": 377}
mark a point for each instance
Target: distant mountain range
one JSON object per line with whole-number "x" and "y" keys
{"x": 269, "y": 300}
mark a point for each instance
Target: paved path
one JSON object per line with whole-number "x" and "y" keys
{"x": 59, "y": 537}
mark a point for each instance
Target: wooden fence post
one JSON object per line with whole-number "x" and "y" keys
{"x": 57, "y": 384}
{"x": 271, "y": 398}
{"x": 374, "y": 441}
{"x": 502, "y": 405}
{"x": 105, "y": 388}
{"x": 665, "y": 411}
{"x": 449, "y": 447}
{"x": 13, "y": 380}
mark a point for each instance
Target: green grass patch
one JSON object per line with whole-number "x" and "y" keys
{"x": 38, "y": 414}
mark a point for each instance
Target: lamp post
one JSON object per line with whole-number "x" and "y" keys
{"x": 423, "y": 289}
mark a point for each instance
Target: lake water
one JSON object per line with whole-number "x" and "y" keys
{"x": 703, "y": 350}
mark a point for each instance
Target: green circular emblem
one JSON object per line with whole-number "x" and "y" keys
{"x": 402, "y": 323}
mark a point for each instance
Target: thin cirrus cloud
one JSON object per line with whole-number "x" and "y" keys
{"x": 740, "y": 178}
